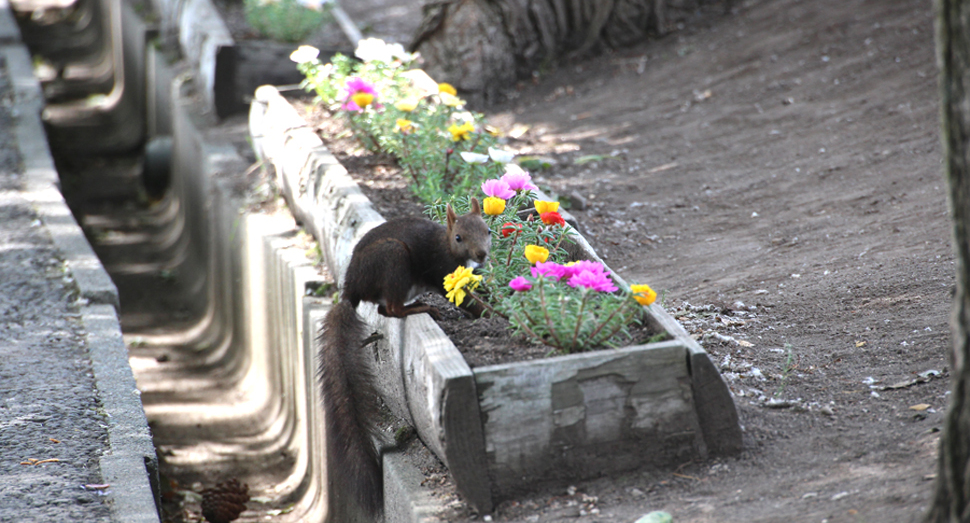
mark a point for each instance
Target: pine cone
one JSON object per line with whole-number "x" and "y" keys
{"x": 224, "y": 502}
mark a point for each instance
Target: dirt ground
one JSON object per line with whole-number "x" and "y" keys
{"x": 776, "y": 173}
{"x": 783, "y": 162}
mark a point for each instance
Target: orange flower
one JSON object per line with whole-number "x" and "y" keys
{"x": 509, "y": 228}
{"x": 552, "y": 218}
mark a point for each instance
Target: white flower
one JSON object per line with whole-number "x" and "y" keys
{"x": 500, "y": 156}
{"x": 425, "y": 85}
{"x": 305, "y": 53}
{"x": 513, "y": 168}
{"x": 376, "y": 50}
{"x": 474, "y": 157}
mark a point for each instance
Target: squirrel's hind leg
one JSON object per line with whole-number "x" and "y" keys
{"x": 399, "y": 310}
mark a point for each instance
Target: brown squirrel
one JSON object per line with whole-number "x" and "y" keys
{"x": 392, "y": 264}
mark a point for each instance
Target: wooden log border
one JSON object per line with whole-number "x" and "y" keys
{"x": 426, "y": 381}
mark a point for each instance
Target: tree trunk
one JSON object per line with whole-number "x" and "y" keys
{"x": 950, "y": 503}
{"x": 483, "y": 46}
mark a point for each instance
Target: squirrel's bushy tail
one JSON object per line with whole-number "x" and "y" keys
{"x": 351, "y": 402}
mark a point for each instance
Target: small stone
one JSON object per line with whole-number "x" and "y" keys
{"x": 576, "y": 201}
{"x": 656, "y": 516}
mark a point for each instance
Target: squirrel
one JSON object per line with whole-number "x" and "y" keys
{"x": 392, "y": 264}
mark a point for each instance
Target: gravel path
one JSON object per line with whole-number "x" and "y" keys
{"x": 52, "y": 429}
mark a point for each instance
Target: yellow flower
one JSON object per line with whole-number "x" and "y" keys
{"x": 405, "y": 126}
{"x": 407, "y": 105}
{"x": 450, "y": 100}
{"x": 447, "y": 88}
{"x": 493, "y": 205}
{"x": 456, "y": 282}
{"x": 460, "y": 132}
{"x": 544, "y": 207}
{"x": 362, "y": 99}
{"x": 536, "y": 254}
{"x": 643, "y": 294}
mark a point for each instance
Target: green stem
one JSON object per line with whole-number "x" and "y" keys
{"x": 604, "y": 322}
{"x": 525, "y": 327}
{"x": 407, "y": 154}
{"x": 545, "y": 312}
{"x": 488, "y": 306}
{"x": 445, "y": 177}
{"x": 579, "y": 317}
{"x": 515, "y": 239}
{"x": 562, "y": 236}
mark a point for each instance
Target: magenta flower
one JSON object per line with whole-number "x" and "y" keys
{"x": 520, "y": 284}
{"x": 357, "y": 94}
{"x": 583, "y": 265}
{"x": 518, "y": 180}
{"x": 497, "y": 189}
{"x": 549, "y": 269}
{"x": 597, "y": 281}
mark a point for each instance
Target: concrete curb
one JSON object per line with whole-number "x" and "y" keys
{"x": 129, "y": 463}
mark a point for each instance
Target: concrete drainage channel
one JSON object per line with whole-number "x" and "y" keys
{"x": 213, "y": 291}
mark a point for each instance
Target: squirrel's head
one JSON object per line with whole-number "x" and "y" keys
{"x": 468, "y": 236}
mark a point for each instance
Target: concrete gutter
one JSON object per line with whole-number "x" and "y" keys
{"x": 129, "y": 463}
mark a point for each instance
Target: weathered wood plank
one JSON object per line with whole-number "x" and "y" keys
{"x": 716, "y": 412}
{"x": 425, "y": 380}
{"x": 586, "y": 414}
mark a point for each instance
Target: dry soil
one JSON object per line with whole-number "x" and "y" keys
{"x": 776, "y": 173}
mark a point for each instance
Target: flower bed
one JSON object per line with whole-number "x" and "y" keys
{"x": 565, "y": 300}
{"x": 567, "y": 417}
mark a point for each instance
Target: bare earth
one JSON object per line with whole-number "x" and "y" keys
{"x": 786, "y": 156}
{"x": 776, "y": 172}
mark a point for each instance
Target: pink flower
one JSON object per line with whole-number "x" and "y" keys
{"x": 357, "y": 94}
{"x": 583, "y": 265}
{"x": 596, "y": 281}
{"x": 550, "y": 269}
{"x": 518, "y": 180}
{"x": 498, "y": 189}
{"x": 520, "y": 284}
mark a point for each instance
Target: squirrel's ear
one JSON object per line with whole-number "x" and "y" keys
{"x": 475, "y": 207}
{"x": 452, "y": 217}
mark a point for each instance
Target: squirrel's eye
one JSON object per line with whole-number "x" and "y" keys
{"x": 458, "y": 238}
